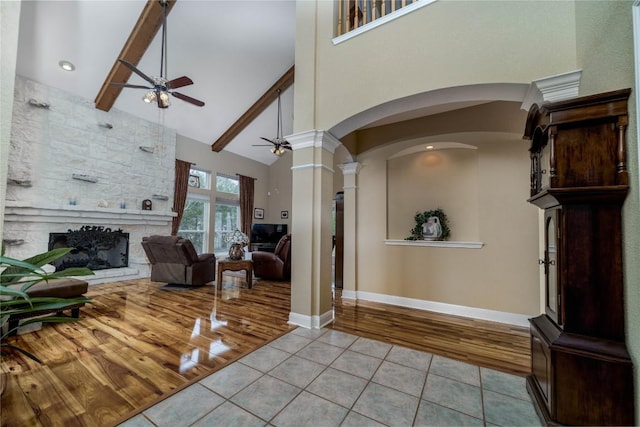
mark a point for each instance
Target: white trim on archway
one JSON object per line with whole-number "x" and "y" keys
{"x": 440, "y": 100}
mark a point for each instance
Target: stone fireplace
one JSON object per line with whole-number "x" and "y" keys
{"x": 67, "y": 171}
{"x": 28, "y": 230}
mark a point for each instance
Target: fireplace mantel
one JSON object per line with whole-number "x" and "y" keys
{"x": 22, "y": 212}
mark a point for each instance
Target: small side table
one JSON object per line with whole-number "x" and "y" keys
{"x": 235, "y": 265}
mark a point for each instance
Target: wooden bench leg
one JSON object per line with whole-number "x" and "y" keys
{"x": 13, "y": 324}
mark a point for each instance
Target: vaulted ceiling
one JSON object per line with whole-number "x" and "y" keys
{"x": 233, "y": 50}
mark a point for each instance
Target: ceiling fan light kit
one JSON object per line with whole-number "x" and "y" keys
{"x": 160, "y": 87}
{"x": 280, "y": 145}
{"x": 278, "y": 151}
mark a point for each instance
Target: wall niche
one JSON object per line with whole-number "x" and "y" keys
{"x": 445, "y": 178}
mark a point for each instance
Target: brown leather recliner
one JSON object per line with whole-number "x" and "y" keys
{"x": 274, "y": 265}
{"x": 174, "y": 260}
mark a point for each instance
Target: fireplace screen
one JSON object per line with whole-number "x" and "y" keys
{"x": 95, "y": 247}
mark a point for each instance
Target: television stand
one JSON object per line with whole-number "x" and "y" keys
{"x": 264, "y": 247}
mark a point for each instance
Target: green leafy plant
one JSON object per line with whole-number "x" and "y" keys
{"x": 422, "y": 217}
{"x": 16, "y": 278}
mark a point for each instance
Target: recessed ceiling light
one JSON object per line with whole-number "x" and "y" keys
{"x": 66, "y": 65}
{"x": 429, "y": 147}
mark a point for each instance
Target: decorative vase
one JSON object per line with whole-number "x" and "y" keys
{"x": 432, "y": 230}
{"x": 236, "y": 252}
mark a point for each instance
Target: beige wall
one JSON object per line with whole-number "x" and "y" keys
{"x": 496, "y": 277}
{"x": 226, "y": 163}
{"x": 279, "y": 190}
{"x": 493, "y": 42}
{"x": 373, "y": 70}
{"x": 605, "y": 52}
{"x": 446, "y": 179}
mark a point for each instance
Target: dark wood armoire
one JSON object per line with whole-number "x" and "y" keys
{"x": 581, "y": 370}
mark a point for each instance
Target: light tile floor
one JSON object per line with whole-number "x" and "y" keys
{"x": 329, "y": 378}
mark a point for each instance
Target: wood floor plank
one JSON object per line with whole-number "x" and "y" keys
{"x": 489, "y": 344}
{"x": 138, "y": 342}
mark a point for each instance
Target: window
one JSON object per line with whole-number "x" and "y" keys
{"x": 227, "y": 184}
{"x": 195, "y": 222}
{"x": 199, "y": 179}
{"x": 227, "y": 217}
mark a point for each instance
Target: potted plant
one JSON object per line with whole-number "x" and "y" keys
{"x": 16, "y": 278}
{"x": 423, "y": 217}
{"x": 238, "y": 241}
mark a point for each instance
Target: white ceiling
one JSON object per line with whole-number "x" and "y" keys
{"x": 233, "y": 50}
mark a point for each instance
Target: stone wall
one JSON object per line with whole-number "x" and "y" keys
{"x": 72, "y": 165}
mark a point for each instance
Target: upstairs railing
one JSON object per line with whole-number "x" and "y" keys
{"x": 354, "y": 14}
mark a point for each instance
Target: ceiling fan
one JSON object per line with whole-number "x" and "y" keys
{"x": 161, "y": 87}
{"x": 278, "y": 144}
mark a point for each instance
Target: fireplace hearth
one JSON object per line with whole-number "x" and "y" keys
{"x": 95, "y": 247}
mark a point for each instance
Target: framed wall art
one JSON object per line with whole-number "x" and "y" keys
{"x": 258, "y": 213}
{"x": 194, "y": 181}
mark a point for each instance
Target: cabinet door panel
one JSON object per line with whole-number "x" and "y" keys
{"x": 540, "y": 366}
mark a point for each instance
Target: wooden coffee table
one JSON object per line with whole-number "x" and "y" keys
{"x": 235, "y": 265}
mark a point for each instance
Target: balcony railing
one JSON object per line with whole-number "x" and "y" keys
{"x": 354, "y": 14}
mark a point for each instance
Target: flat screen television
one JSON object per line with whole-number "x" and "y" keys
{"x": 267, "y": 233}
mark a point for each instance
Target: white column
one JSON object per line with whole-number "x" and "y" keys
{"x": 311, "y": 243}
{"x": 350, "y": 274}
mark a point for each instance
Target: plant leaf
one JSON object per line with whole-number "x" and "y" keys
{"x": 48, "y": 257}
{"x": 26, "y": 353}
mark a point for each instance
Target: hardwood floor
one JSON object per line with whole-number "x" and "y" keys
{"x": 137, "y": 343}
{"x": 489, "y": 344}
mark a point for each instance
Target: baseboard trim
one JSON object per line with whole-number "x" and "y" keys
{"x": 349, "y": 294}
{"x": 311, "y": 322}
{"x": 439, "y": 307}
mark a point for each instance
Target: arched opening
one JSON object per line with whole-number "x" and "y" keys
{"x": 483, "y": 189}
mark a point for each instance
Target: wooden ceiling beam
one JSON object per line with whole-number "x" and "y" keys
{"x": 141, "y": 36}
{"x": 254, "y": 111}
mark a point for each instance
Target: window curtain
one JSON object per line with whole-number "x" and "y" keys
{"x": 246, "y": 204}
{"x": 180, "y": 189}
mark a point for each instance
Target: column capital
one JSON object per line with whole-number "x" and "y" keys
{"x": 350, "y": 168}
{"x": 553, "y": 88}
{"x": 314, "y": 138}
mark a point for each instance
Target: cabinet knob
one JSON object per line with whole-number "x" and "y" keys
{"x": 541, "y": 262}
{"x": 552, "y": 262}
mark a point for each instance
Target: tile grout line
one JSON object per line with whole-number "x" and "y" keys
{"x": 325, "y": 367}
{"x": 424, "y": 387}
{"x": 484, "y": 415}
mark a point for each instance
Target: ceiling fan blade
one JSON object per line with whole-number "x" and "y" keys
{"x": 128, "y": 85}
{"x": 287, "y": 146}
{"x": 260, "y": 145}
{"x": 179, "y": 82}
{"x": 188, "y": 99}
{"x": 268, "y": 140}
{"x": 133, "y": 68}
